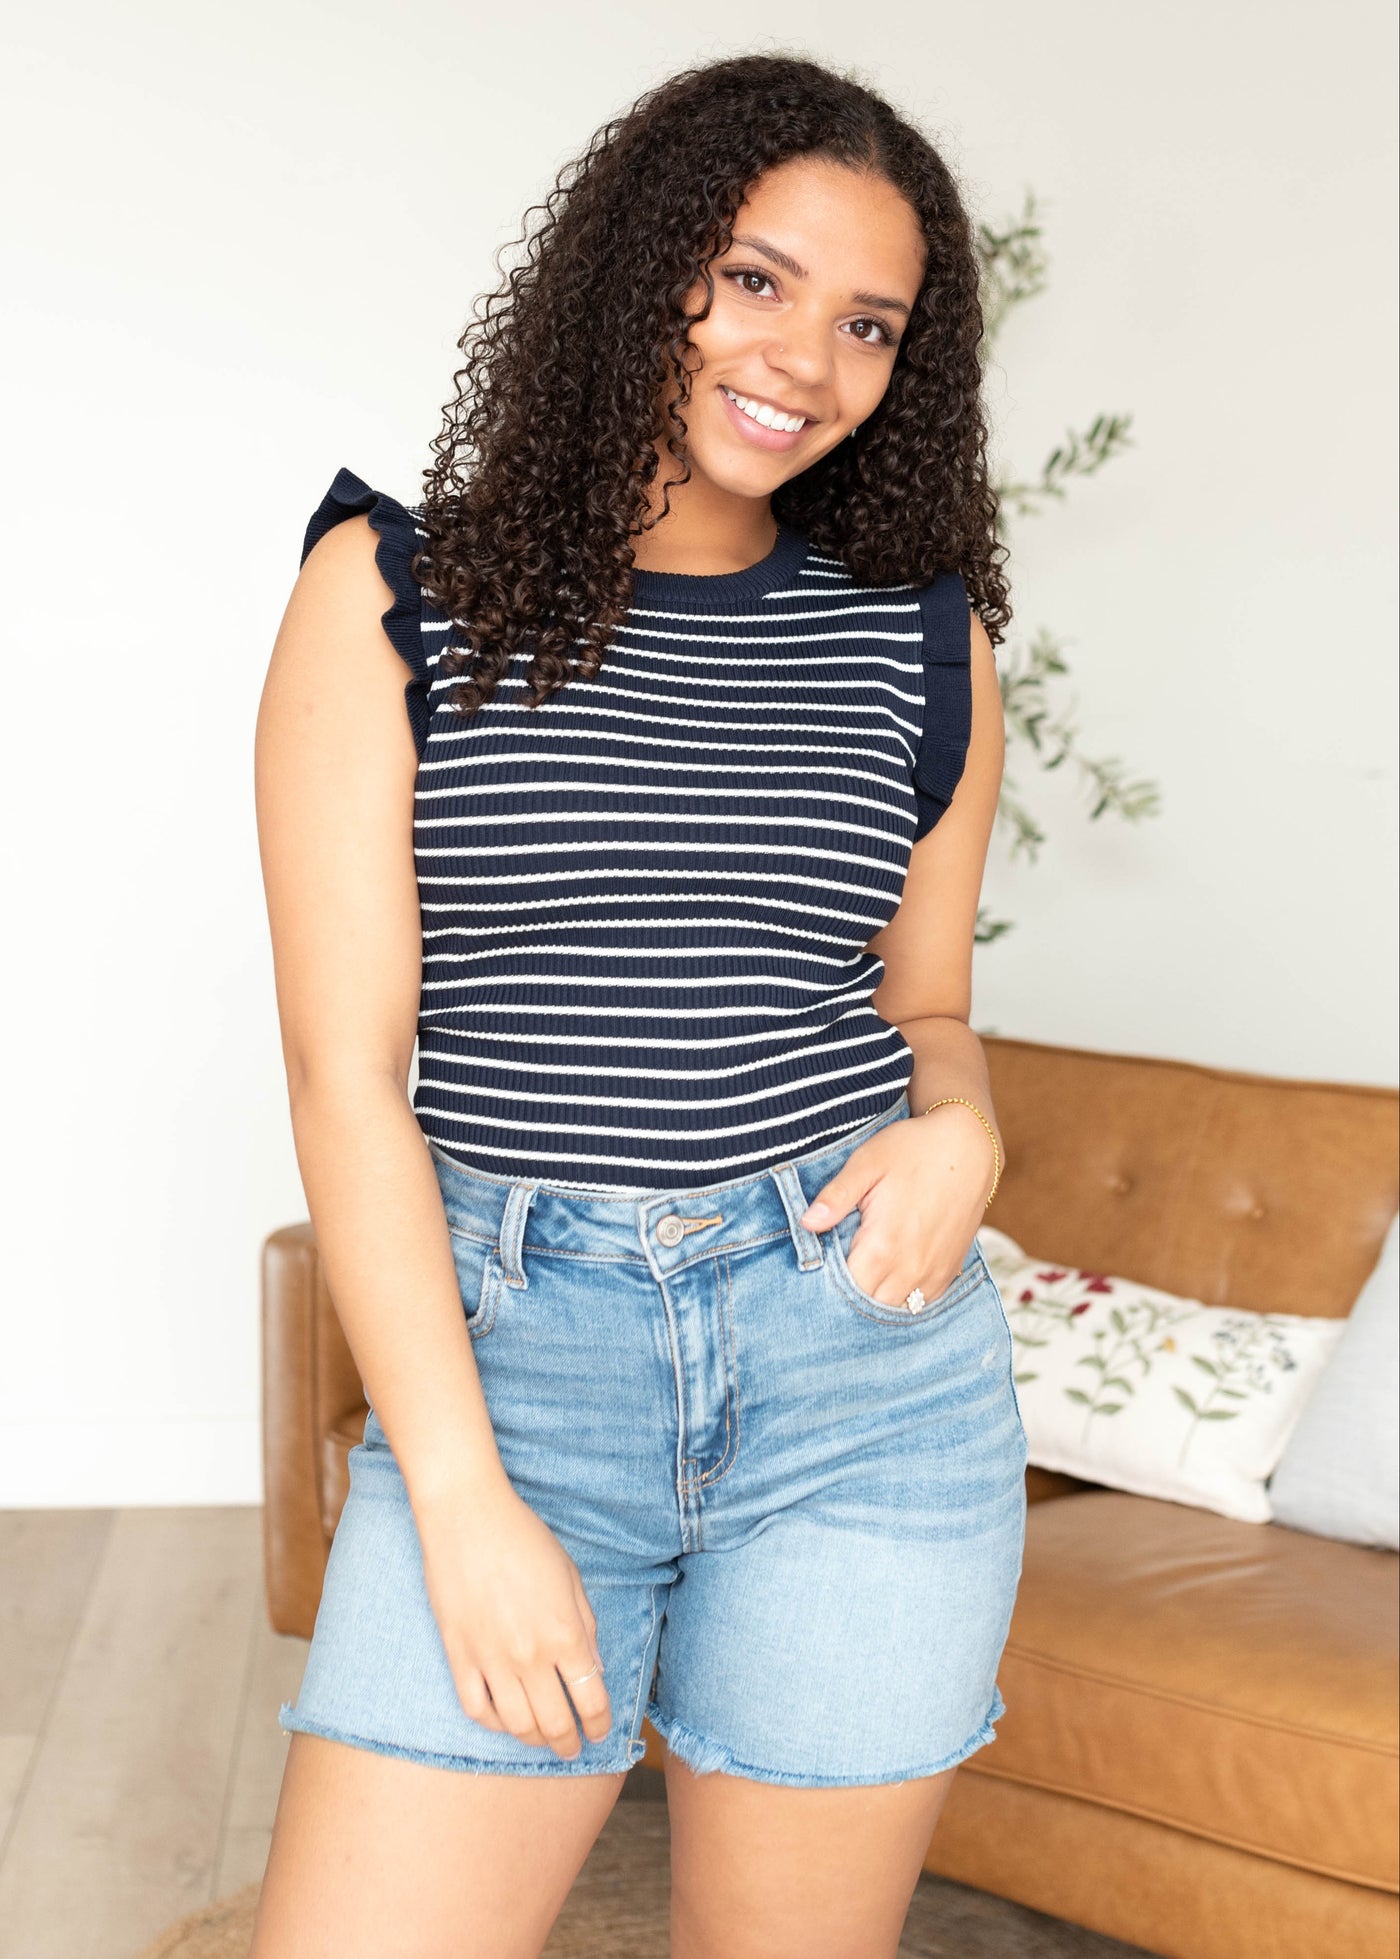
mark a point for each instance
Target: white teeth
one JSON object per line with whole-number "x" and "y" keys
{"x": 768, "y": 417}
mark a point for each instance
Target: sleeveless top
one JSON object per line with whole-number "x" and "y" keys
{"x": 645, "y": 903}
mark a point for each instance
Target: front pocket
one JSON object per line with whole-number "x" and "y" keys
{"x": 837, "y": 1242}
{"x": 1010, "y": 1353}
{"x": 480, "y": 1276}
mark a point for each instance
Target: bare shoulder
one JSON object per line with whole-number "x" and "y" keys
{"x": 332, "y": 630}
{"x": 332, "y": 705}
{"x": 986, "y": 752}
{"x": 340, "y": 595}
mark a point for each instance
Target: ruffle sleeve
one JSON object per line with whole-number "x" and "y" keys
{"x": 947, "y": 717}
{"x": 400, "y": 535}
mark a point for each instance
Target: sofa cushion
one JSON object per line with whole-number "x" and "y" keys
{"x": 1123, "y": 1384}
{"x": 1339, "y": 1473}
{"x": 1234, "y": 1680}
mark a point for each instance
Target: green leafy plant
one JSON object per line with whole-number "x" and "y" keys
{"x": 1014, "y": 266}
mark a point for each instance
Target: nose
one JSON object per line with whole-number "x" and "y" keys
{"x": 802, "y": 354}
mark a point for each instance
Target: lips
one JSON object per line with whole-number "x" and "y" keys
{"x": 755, "y": 432}
{"x": 778, "y": 407}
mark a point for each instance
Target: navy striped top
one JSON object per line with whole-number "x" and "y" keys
{"x": 645, "y": 903}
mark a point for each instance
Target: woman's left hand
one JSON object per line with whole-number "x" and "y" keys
{"x": 921, "y": 1186}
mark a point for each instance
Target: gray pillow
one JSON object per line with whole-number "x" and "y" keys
{"x": 1339, "y": 1474}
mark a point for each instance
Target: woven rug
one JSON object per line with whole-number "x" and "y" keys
{"x": 619, "y": 1909}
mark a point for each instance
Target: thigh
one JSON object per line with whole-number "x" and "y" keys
{"x": 763, "y": 1871}
{"x": 375, "y": 1854}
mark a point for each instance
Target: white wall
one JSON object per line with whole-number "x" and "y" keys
{"x": 249, "y": 237}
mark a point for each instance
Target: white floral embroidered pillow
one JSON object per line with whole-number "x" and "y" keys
{"x": 1145, "y": 1391}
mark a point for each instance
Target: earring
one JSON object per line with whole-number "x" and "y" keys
{"x": 854, "y": 432}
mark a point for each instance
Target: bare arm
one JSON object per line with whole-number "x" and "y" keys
{"x": 922, "y": 1185}
{"x": 927, "y": 946}
{"x": 334, "y": 778}
{"x": 334, "y": 773}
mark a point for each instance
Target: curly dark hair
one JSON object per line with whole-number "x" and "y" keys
{"x": 546, "y": 454}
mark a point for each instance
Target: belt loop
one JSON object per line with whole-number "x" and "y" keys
{"x": 511, "y": 1240}
{"x": 806, "y": 1242}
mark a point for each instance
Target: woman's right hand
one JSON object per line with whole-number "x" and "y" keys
{"x": 514, "y": 1618}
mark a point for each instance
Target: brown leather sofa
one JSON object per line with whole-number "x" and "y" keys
{"x": 1199, "y": 1754}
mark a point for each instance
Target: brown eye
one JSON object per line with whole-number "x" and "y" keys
{"x": 747, "y": 272}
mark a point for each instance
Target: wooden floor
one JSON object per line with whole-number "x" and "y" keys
{"x": 140, "y": 1752}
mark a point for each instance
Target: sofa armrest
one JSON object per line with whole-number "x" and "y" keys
{"x": 311, "y": 1389}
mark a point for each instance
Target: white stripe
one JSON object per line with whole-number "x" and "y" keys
{"x": 661, "y": 1135}
{"x": 606, "y": 710}
{"x": 591, "y": 1070}
{"x": 521, "y": 731}
{"x": 496, "y": 927}
{"x": 857, "y": 609}
{"x": 623, "y": 762}
{"x": 535, "y": 1096}
{"x": 537, "y": 1036}
{"x": 673, "y": 952}
{"x": 579, "y": 706}
{"x": 577, "y": 1010}
{"x": 694, "y": 983}
{"x": 611, "y": 812}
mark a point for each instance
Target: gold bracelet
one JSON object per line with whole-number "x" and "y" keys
{"x": 985, "y": 1124}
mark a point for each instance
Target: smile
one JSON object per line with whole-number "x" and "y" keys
{"x": 764, "y": 413}
{"x": 760, "y": 423}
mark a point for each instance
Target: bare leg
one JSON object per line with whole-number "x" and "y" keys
{"x": 372, "y": 1854}
{"x": 763, "y": 1870}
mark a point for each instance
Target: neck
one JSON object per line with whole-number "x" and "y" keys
{"x": 706, "y": 530}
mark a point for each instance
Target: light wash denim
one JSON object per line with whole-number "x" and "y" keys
{"x": 798, "y": 1512}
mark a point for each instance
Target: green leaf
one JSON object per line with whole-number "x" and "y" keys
{"x": 1183, "y": 1397}
{"x": 1111, "y": 1408}
{"x": 1221, "y": 1415}
{"x": 1075, "y": 1394}
{"x": 1206, "y": 1366}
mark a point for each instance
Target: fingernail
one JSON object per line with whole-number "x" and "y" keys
{"x": 817, "y": 1213}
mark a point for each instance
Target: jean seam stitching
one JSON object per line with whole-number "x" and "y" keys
{"x": 718, "y": 1474}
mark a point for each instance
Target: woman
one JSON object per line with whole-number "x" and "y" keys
{"x": 690, "y": 1393}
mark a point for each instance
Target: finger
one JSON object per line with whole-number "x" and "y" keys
{"x": 472, "y": 1692}
{"x": 590, "y": 1696}
{"x": 871, "y": 1277}
{"x": 840, "y": 1194}
{"x": 869, "y": 1256}
{"x": 823, "y": 1209}
{"x": 553, "y": 1716}
{"x": 513, "y": 1705}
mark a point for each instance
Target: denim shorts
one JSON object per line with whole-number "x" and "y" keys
{"x": 798, "y": 1512}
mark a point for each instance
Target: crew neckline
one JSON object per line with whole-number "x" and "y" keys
{"x": 711, "y": 590}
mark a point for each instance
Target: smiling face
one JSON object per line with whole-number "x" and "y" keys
{"x": 811, "y": 301}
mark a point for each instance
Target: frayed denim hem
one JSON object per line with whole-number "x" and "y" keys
{"x": 547, "y": 1764}
{"x": 704, "y": 1756}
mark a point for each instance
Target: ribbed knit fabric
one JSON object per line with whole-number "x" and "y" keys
{"x": 645, "y": 903}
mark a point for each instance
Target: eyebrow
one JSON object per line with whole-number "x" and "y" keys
{"x": 789, "y": 264}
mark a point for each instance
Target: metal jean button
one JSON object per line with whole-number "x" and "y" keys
{"x": 670, "y": 1230}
